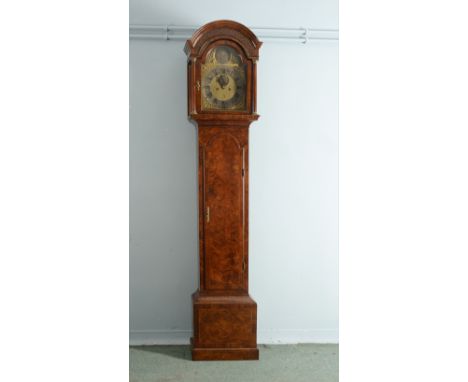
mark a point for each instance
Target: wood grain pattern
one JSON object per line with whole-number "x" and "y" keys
{"x": 224, "y": 323}
{"x": 224, "y": 204}
{"x": 223, "y": 327}
{"x": 224, "y": 315}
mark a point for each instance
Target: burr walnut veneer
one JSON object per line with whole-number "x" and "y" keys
{"x": 222, "y": 58}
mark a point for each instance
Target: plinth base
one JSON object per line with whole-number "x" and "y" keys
{"x": 224, "y": 328}
{"x": 224, "y": 354}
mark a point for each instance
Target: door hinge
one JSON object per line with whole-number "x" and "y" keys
{"x": 207, "y": 214}
{"x": 243, "y": 172}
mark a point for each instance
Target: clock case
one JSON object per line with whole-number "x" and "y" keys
{"x": 224, "y": 314}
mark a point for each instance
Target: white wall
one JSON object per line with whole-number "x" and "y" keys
{"x": 293, "y": 176}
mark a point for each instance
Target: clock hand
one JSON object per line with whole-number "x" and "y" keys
{"x": 222, "y": 81}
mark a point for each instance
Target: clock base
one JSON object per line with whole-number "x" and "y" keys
{"x": 224, "y": 327}
{"x": 199, "y": 354}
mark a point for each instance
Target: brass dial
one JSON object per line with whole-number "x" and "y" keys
{"x": 223, "y": 80}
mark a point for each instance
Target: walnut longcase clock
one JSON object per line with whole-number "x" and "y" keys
{"x": 222, "y": 58}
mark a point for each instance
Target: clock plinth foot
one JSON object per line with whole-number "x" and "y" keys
{"x": 224, "y": 328}
{"x": 246, "y": 354}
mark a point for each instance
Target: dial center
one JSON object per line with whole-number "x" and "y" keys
{"x": 223, "y": 87}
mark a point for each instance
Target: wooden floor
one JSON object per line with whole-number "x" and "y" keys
{"x": 278, "y": 363}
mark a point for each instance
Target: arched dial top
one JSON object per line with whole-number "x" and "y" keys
{"x": 222, "y": 57}
{"x": 223, "y": 80}
{"x": 223, "y": 29}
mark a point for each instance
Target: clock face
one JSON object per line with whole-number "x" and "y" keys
{"x": 223, "y": 80}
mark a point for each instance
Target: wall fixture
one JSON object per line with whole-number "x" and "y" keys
{"x": 268, "y": 34}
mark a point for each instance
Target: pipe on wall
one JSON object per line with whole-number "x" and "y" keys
{"x": 267, "y": 34}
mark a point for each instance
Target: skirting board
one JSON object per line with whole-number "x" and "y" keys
{"x": 281, "y": 336}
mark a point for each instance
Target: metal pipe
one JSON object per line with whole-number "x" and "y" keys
{"x": 270, "y": 34}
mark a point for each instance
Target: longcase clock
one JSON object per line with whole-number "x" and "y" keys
{"x": 222, "y": 57}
